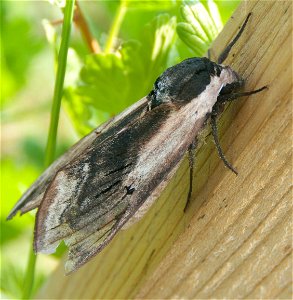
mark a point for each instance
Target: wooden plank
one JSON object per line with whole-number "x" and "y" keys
{"x": 235, "y": 239}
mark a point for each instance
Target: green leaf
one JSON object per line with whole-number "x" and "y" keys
{"x": 215, "y": 14}
{"x": 19, "y": 45}
{"x": 163, "y": 29}
{"x": 186, "y": 33}
{"x": 110, "y": 82}
{"x": 200, "y": 25}
{"x": 104, "y": 78}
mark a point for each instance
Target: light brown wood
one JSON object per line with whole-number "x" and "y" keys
{"x": 235, "y": 240}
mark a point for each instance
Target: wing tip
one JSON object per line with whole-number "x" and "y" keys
{"x": 12, "y": 214}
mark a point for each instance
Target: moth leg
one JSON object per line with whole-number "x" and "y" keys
{"x": 191, "y": 152}
{"x": 217, "y": 107}
{"x": 216, "y": 139}
{"x": 233, "y": 96}
{"x": 226, "y": 51}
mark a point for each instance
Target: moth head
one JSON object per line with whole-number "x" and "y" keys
{"x": 232, "y": 82}
{"x": 233, "y": 77}
{"x": 184, "y": 81}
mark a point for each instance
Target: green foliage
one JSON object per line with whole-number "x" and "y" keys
{"x": 200, "y": 25}
{"x": 12, "y": 269}
{"x": 110, "y": 82}
{"x": 12, "y": 281}
{"x": 15, "y": 32}
{"x": 14, "y": 188}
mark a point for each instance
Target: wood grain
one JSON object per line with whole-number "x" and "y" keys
{"x": 235, "y": 240}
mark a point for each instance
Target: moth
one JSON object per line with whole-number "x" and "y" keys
{"x": 112, "y": 176}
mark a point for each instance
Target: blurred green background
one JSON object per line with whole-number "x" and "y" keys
{"x": 151, "y": 36}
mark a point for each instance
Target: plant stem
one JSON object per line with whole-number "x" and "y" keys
{"x": 81, "y": 23}
{"x": 58, "y": 90}
{"x": 29, "y": 275}
{"x": 119, "y": 16}
{"x": 51, "y": 142}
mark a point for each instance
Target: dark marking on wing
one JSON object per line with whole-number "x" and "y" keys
{"x": 109, "y": 188}
{"x": 123, "y": 167}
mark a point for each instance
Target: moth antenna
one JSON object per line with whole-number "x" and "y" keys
{"x": 191, "y": 151}
{"x": 234, "y": 96}
{"x": 218, "y": 146}
{"x": 226, "y": 51}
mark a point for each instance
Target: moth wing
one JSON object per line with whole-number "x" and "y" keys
{"x": 34, "y": 195}
{"x": 91, "y": 198}
{"x": 85, "y": 232}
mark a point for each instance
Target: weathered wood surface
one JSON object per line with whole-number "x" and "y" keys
{"x": 235, "y": 240}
